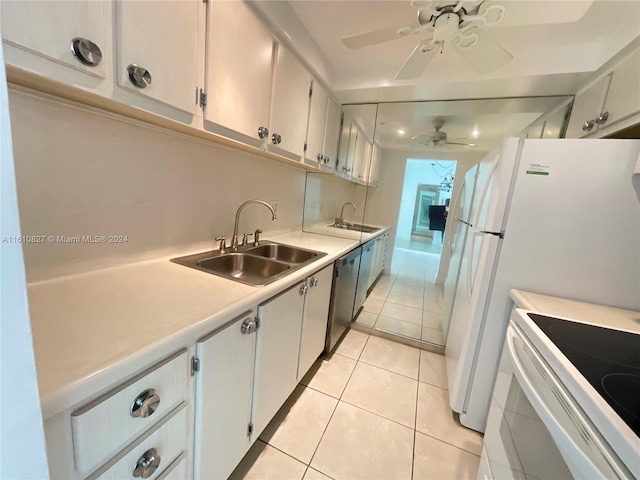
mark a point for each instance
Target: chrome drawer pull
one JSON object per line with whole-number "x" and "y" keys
{"x": 147, "y": 464}
{"x": 145, "y": 404}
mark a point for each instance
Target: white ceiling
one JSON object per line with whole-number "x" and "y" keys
{"x": 549, "y": 59}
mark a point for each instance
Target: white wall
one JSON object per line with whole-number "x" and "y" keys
{"x": 22, "y": 445}
{"x": 419, "y": 171}
{"x": 383, "y": 202}
{"x": 84, "y": 172}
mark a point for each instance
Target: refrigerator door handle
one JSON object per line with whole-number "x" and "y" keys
{"x": 485, "y": 189}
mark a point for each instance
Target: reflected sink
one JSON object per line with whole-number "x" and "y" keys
{"x": 283, "y": 253}
{"x": 356, "y": 227}
{"x": 254, "y": 265}
{"x": 243, "y": 267}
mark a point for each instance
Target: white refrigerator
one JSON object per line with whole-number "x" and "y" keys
{"x": 460, "y": 214}
{"x": 556, "y": 217}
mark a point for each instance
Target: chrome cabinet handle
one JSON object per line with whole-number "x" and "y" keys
{"x": 588, "y": 125}
{"x": 139, "y": 76}
{"x": 602, "y": 118}
{"x": 303, "y": 289}
{"x": 313, "y": 282}
{"x": 325, "y": 159}
{"x": 248, "y": 326}
{"x": 263, "y": 132}
{"x": 145, "y": 404}
{"x": 319, "y": 157}
{"x": 276, "y": 139}
{"x": 147, "y": 464}
{"x": 87, "y": 52}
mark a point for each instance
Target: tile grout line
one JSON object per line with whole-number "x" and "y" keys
{"x": 415, "y": 420}
{"x": 336, "y": 407}
{"x": 447, "y": 443}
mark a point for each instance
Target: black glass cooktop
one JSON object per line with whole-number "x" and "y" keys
{"x": 609, "y": 359}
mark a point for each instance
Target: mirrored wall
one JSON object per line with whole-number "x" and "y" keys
{"x": 398, "y": 163}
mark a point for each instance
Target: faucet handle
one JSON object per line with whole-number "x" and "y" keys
{"x": 256, "y": 236}
{"x": 223, "y": 243}
{"x": 245, "y": 237}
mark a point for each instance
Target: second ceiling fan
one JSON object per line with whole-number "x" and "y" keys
{"x": 457, "y": 26}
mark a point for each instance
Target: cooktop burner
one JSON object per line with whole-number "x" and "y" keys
{"x": 608, "y": 359}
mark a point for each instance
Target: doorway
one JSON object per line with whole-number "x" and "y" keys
{"x": 407, "y": 301}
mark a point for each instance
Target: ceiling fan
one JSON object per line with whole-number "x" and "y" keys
{"x": 456, "y": 26}
{"x": 438, "y": 138}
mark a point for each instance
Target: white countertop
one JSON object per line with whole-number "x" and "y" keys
{"x": 585, "y": 312}
{"x": 92, "y": 331}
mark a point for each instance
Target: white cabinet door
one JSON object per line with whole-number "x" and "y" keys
{"x": 316, "y": 315}
{"x": 290, "y": 106}
{"x": 374, "y": 170}
{"x": 359, "y": 158}
{"x": 586, "y": 108}
{"x": 343, "y": 148}
{"x": 224, "y": 388}
{"x": 157, "y": 51}
{"x": 48, "y": 29}
{"x": 239, "y": 70}
{"x": 623, "y": 97}
{"x": 315, "y": 132}
{"x": 331, "y": 134}
{"x": 354, "y": 133}
{"x": 277, "y": 354}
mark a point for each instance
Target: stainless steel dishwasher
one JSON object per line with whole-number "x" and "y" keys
{"x": 363, "y": 277}
{"x": 345, "y": 280}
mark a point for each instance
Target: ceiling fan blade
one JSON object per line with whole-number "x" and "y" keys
{"x": 459, "y": 143}
{"x": 533, "y": 13}
{"x": 362, "y": 40}
{"x": 418, "y": 60}
{"x": 485, "y": 55}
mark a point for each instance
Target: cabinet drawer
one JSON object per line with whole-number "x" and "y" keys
{"x": 103, "y": 427}
{"x": 164, "y": 443}
{"x": 176, "y": 471}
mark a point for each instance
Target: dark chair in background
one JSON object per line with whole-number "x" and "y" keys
{"x": 437, "y": 218}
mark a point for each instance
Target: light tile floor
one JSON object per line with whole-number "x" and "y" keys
{"x": 407, "y": 302}
{"x": 376, "y": 409}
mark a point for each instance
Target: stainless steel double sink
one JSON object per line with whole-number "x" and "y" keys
{"x": 256, "y": 265}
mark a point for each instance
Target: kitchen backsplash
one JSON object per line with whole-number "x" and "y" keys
{"x": 325, "y": 196}
{"x": 96, "y": 190}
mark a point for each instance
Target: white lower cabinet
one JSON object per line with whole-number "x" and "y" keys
{"x": 277, "y": 353}
{"x": 224, "y": 387}
{"x": 314, "y": 323}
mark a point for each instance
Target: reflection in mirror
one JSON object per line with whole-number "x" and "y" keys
{"x": 427, "y": 154}
{"x": 334, "y": 204}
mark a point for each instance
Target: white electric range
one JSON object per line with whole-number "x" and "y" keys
{"x": 566, "y": 402}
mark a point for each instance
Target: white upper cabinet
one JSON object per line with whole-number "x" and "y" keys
{"x": 586, "y": 108}
{"x": 55, "y": 30}
{"x": 331, "y": 134}
{"x": 611, "y": 99}
{"x": 361, "y": 158}
{"x": 314, "y": 153}
{"x": 374, "y": 169}
{"x": 239, "y": 70}
{"x": 157, "y": 50}
{"x": 623, "y": 97}
{"x": 343, "y": 147}
{"x": 289, "y": 107}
